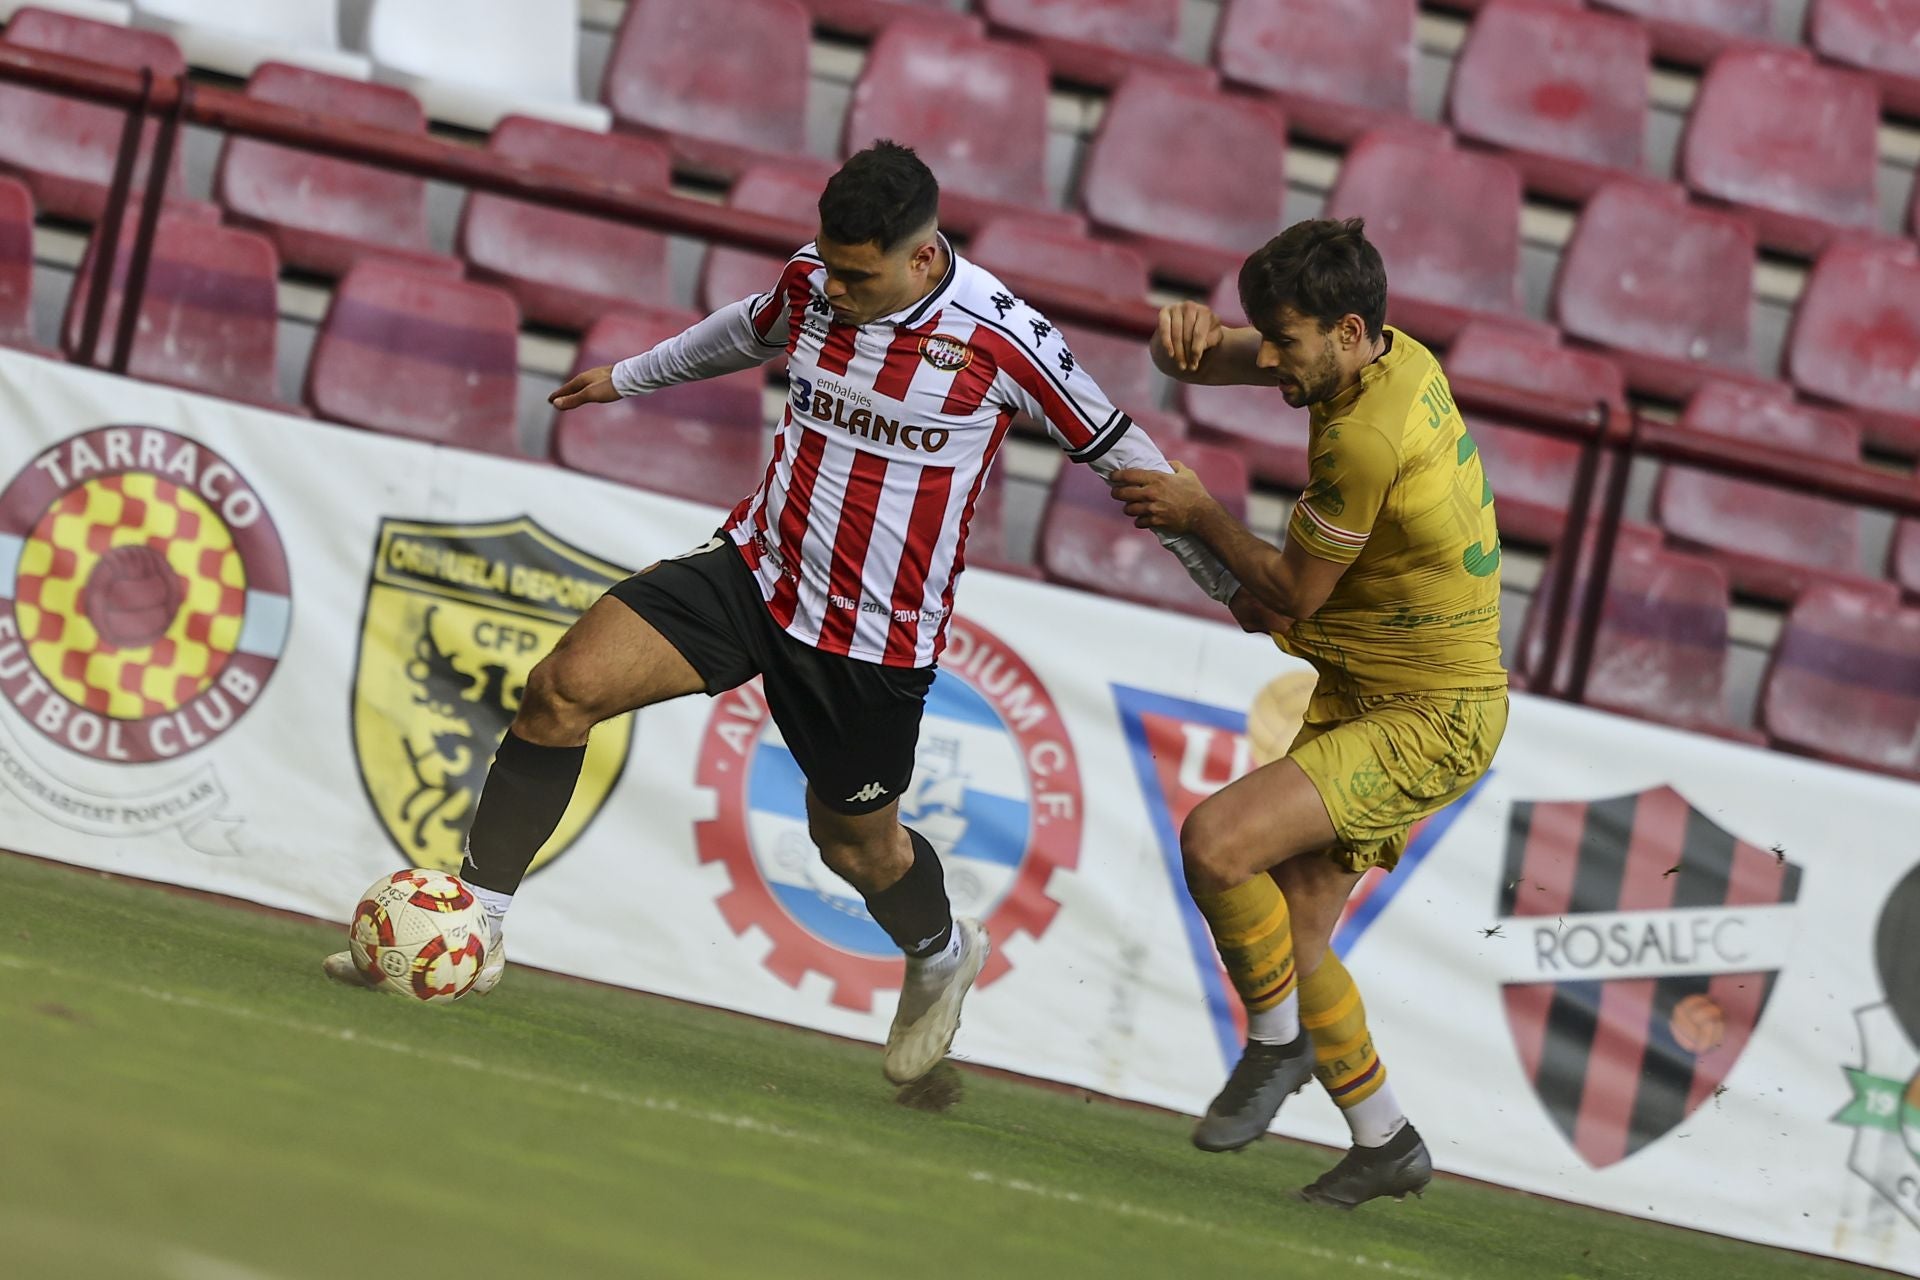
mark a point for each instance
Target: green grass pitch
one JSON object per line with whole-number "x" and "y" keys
{"x": 183, "y": 1095}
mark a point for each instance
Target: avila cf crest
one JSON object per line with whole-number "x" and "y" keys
{"x": 1649, "y": 942}
{"x": 456, "y": 617}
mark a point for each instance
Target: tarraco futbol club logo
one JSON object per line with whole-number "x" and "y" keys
{"x": 144, "y": 598}
{"x": 995, "y": 789}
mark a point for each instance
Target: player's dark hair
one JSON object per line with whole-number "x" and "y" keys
{"x": 1324, "y": 269}
{"x": 881, "y": 195}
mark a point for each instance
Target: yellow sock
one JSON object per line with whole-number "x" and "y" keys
{"x": 1332, "y": 1012}
{"x": 1254, "y": 933}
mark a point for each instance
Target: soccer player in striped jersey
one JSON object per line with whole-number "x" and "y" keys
{"x": 834, "y": 580}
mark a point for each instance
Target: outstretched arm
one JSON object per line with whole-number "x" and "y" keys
{"x": 1192, "y": 345}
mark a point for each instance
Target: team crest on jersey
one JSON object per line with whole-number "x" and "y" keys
{"x": 456, "y": 616}
{"x": 945, "y": 352}
{"x": 144, "y": 598}
{"x": 996, "y": 789}
{"x": 1884, "y": 1109}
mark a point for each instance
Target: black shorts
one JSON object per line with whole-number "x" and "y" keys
{"x": 852, "y": 726}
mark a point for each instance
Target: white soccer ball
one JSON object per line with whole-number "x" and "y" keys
{"x": 419, "y": 934}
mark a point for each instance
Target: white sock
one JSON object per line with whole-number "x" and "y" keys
{"x": 495, "y": 904}
{"x": 940, "y": 963}
{"x": 1278, "y": 1025}
{"x": 1376, "y": 1120}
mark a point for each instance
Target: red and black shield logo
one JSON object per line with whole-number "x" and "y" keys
{"x": 1652, "y": 941}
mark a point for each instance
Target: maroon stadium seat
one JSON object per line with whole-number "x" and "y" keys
{"x": 323, "y": 214}
{"x": 788, "y": 190}
{"x": 1790, "y": 144}
{"x": 568, "y": 269}
{"x": 990, "y": 543}
{"x": 1532, "y": 473}
{"x": 65, "y": 148}
{"x": 1844, "y": 684}
{"x": 723, "y": 81}
{"x": 1562, "y": 93}
{"x": 16, "y": 266}
{"x": 1855, "y": 339}
{"x": 1880, "y": 37}
{"x": 418, "y": 354}
{"x": 1333, "y": 86}
{"x": 1665, "y": 285}
{"x": 1772, "y": 541}
{"x": 1474, "y": 6}
{"x": 1693, "y": 31}
{"x": 1097, "y": 42}
{"x": 209, "y": 317}
{"x": 1194, "y": 212}
{"x": 1446, "y": 221}
{"x": 1903, "y": 557}
{"x": 1252, "y": 421}
{"x": 1087, "y": 541}
{"x": 866, "y": 17}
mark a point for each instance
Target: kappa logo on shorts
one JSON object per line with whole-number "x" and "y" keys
{"x": 996, "y": 788}
{"x": 1884, "y": 1110}
{"x": 1647, "y": 944}
{"x": 456, "y": 616}
{"x": 945, "y": 352}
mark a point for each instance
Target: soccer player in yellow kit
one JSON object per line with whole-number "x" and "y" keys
{"x": 1389, "y": 585}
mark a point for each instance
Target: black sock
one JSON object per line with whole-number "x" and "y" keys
{"x": 526, "y": 795}
{"x": 914, "y": 909}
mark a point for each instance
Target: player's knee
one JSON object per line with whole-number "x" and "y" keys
{"x": 1210, "y": 847}
{"x": 558, "y": 702}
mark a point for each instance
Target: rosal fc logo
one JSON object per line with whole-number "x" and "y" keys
{"x": 144, "y": 600}
{"x": 996, "y": 789}
{"x": 456, "y": 617}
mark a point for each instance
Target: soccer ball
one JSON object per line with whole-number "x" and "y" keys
{"x": 419, "y": 934}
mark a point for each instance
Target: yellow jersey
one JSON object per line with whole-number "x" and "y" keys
{"x": 1398, "y": 494}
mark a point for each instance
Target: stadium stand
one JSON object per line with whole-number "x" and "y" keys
{"x": 1561, "y": 93}
{"x": 781, "y": 190}
{"x": 1844, "y": 683}
{"x": 1254, "y": 422}
{"x": 418, "y": 354}
{"x": 568, "y": 269}
{"x": 1331, "y": 86}
{"x": 1879, "y": 37}
{"x": 1095, "y": 42}
{"x": 724, "y": 82}
{"x": 236, "y": 38}
{"x": 512, "y": 58}
{"x": 1855, "y": 340}
{"x": 1693, "y": 31}
{"x": 867, "y": 17}
{"x": 16, "y": 266}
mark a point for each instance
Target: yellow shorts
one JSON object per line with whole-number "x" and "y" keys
{"x": 1382, "y": 762}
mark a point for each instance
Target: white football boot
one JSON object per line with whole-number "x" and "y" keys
{"x": 929, "y": 1014}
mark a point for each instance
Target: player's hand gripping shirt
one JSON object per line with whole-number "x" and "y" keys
{"x": 1398, "y": 494}
{"x": 857, "y": 534}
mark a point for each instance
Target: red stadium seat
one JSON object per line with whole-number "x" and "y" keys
{"x": 1252, "y": 421}
{"x": 868, "y": 17}
{"x": 990, "y": 541}
{"x": 1790, "y": 144}
{"x": 724, "y": 82}
{"x": 65, "y": 148}
{"x": 1446, "y": 221}
{"x": 1087, "y": 541}
{"x": 1773, "y": 542}
{"x": 1332, "y": 85}
{"x": 417, "y": 354}
{"x": 1903, "y": 557}
{"x": 1532, "y": 473}
{"x": 568, "y": 269}
{"x": 16, "y": 266}
{"x": 1880, "y": 37}
{"x": 1194, "y": 212}
{"x": 1844, "y": 683}
{"x": 1693, "y": 31}
{"x": 1855, "y": 340}
{"x": 1665, "y": 285}
{"x": 790, "y": 190}
{"x": 209, "y": 317}
{"x": 324, "y": 214}
{"x": 1562, "y": 93}
{"x": 1097, "y": 42}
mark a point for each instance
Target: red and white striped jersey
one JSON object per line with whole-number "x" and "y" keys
{"x": 857, "y": 533}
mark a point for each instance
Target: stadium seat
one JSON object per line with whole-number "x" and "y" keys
{"x": 1855, "y": 340}
{"x": 1693, "y": 31}
{"x": 117, "y": 12}
{"x": 1664, "y": 285}
{"x": 790, "y": 190}
{"x": 1194, "y": 212}
{"x": 1773, "y": 542}
{"x": 1446, "y": 221}
{"x": 1252, "y": 421}
{"x": 417, "y": 354}
{"x": 1879, "y": 37}
{"x": 1096, "y": 42}
{"x": 990, "y": 543}
{"x": 974, "y": 109}
{"x": 724, "y": 82}
{"x": 1087, "y": 541}
{"x": 1562, "y": 93}
{"x": 1903, "y": 556}
{"x": 1844, "y": 683}
{"x": 869, "y": 17}
{"x": 1787, "y": 143}
{"x": 322, "y": 213}
{"x": 1332, "y": 86}
{"x": 509, "y": 58}
{"x": 65, "y": 148}
{"x": 236, "y": 38}
{"x": 209, "y": 316}
{"x": 16, "y": 266}
{"x": 1532, "y": 473}
{"x": 568, "y": 269}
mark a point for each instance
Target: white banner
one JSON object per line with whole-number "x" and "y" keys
{"x": 1633, "y": 968}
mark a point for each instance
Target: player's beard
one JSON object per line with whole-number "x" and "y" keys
{"x": 1322, "y": 382}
